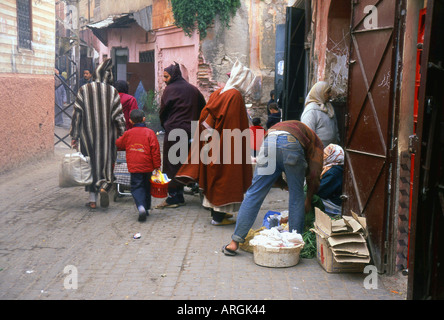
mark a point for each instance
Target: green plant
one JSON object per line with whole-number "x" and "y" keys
{"x": 188, "y": 13}
{"x": 151, "y": 108}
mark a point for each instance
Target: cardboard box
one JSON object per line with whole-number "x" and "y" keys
{"x": 341, "y": 244}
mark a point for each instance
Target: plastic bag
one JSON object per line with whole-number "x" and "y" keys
{"x": 159, "y": 177}
{"x": 271, "y": 219}
{"x": 275, "y": 239}
{"x": 75, "y": 170}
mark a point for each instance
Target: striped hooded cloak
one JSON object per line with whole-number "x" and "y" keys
{"x": 98, "y": 121}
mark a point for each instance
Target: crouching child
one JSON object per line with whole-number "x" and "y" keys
{"x": 142, "y": 157}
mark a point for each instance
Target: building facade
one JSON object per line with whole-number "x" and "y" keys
{"x": 145, "y": 31}
{"x": 27, "y": 42}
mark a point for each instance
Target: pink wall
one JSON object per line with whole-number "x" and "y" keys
{"x": 26, "y": 118}
{"x": 170, "y": 44}
{"x": 133, "y": 38}
{"x": 173, "y": 45}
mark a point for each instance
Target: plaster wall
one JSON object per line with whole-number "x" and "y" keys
{"x": 26, "y": 118}
{"x": 173, "y": 45}
{"x": 249, "y": 39}
{"x": 331, "y": 45}
{"x": 134, "y": 38}
{"x": 27, "y": 82}
{"x": 40, "y": 58}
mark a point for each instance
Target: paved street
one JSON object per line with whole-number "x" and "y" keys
{"x": 48, "y": 237}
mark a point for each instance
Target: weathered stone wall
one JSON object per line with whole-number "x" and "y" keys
{"x": 249, "y": 39}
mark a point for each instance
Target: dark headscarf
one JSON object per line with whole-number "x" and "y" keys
{"x": 121, "y": 86}
{"x": 174, "y": 71}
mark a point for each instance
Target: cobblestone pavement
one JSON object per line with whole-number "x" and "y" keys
{"x": 48, "y": 237}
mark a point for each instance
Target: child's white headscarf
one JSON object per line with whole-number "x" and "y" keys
{"x": 317, "y": 95}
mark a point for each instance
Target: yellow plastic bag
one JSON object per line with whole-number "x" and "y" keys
{"x": 159, "y": 177}
{"x": 246, "y": 245}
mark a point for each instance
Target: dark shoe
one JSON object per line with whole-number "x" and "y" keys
{"x": 142, "y": 216}
{"x": 104, "y": 198}
{"x": 91, "y": 205}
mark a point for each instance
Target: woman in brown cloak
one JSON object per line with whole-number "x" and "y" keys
{"x": 223, "y": 170}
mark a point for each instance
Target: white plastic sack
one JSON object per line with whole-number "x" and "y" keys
{"x": 75, "y": 170}
{"x": 275, "y": 239}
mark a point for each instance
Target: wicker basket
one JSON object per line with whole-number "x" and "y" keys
{"x": 277, "y": 257}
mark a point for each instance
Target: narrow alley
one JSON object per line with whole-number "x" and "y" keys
{"x": 47, "y": 232}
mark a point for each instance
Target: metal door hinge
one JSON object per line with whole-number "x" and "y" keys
{"x": 413, "y": 143}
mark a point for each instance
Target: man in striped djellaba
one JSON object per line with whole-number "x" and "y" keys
{"x": 97, "y": 122}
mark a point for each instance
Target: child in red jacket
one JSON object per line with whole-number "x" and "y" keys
{"x": 257, "y": 134}
{"x": 142, "y": 157}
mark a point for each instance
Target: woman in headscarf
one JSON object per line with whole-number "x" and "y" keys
{"x": 330, "y": 189}
{"x": 319, "y": 114}
{"x": 222, "y": 176}
{"x": 328, "y": 196}
{"x": 97, "y": 121}
{"x": 181, "y": 103}
{"x": 129, "y": 103}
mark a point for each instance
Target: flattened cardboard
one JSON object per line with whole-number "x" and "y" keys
{"x": 362, "y": 221}
{"x": 345, "y": 238}
{"x": 359, "y": 249}
{"x": 341, "y": 245}
{"x": 348, "y": 259}
{"x": 323, "y": 222}
{"x": 352, "y": 223}
{"x": 338, "y": 226}
{"x": 328, "y": 262}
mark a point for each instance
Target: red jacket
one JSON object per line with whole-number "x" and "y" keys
{"x": 129, "y": 103}
{"x": 142, "y": 149}
{"x": 257, "y": 134}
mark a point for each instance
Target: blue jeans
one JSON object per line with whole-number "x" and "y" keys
{"x": 141, "y": 189}
{"x": 278, "y": 153}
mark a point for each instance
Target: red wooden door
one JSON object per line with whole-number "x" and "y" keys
{"x": 369, "y": 138}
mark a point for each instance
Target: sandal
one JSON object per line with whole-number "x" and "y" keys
{"x": 165, "y": 204}
{"x": 227, "y": 251}
{"x": 91, "y": 205}
{"x": 224, "y": 222}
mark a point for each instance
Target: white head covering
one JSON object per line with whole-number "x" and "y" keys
{"x": 241, "y": 79}
{"x": 317, "y": 95}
